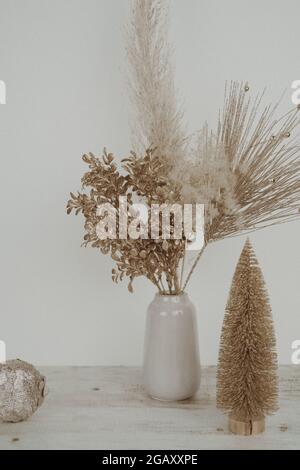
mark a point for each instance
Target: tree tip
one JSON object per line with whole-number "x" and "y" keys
{"x": 248, "y": 245}
{"x": 248, "y": 242}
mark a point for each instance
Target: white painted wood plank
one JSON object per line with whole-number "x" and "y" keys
{"x": 107, "y": 408}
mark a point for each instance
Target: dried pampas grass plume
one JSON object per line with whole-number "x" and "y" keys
{"x": 158, "y": 122}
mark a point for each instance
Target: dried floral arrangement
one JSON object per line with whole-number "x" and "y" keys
{"x": 246, "y": 172}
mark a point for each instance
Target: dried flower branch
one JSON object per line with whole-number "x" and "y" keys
{"x": 248, "y": 174}
{"x": 156, "y": 259}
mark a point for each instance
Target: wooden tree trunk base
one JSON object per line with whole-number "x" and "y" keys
{"x": 243, "y": 428}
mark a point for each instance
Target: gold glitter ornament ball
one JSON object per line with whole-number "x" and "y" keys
{"x": 22, "y": 390}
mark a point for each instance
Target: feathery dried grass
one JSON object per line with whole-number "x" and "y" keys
{"x": 158, "y": 118}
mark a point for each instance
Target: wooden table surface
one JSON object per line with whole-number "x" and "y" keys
{"x": 107, "y": 408}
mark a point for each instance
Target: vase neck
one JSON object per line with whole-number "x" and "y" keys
{"x": 171, "y": 298}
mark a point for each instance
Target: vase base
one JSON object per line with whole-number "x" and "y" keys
{"x": 169, "y": 400}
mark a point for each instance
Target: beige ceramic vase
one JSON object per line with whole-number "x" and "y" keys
{"x": 171, "y": 353}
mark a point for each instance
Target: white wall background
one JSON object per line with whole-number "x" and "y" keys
{"x": 63, "y": 64}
